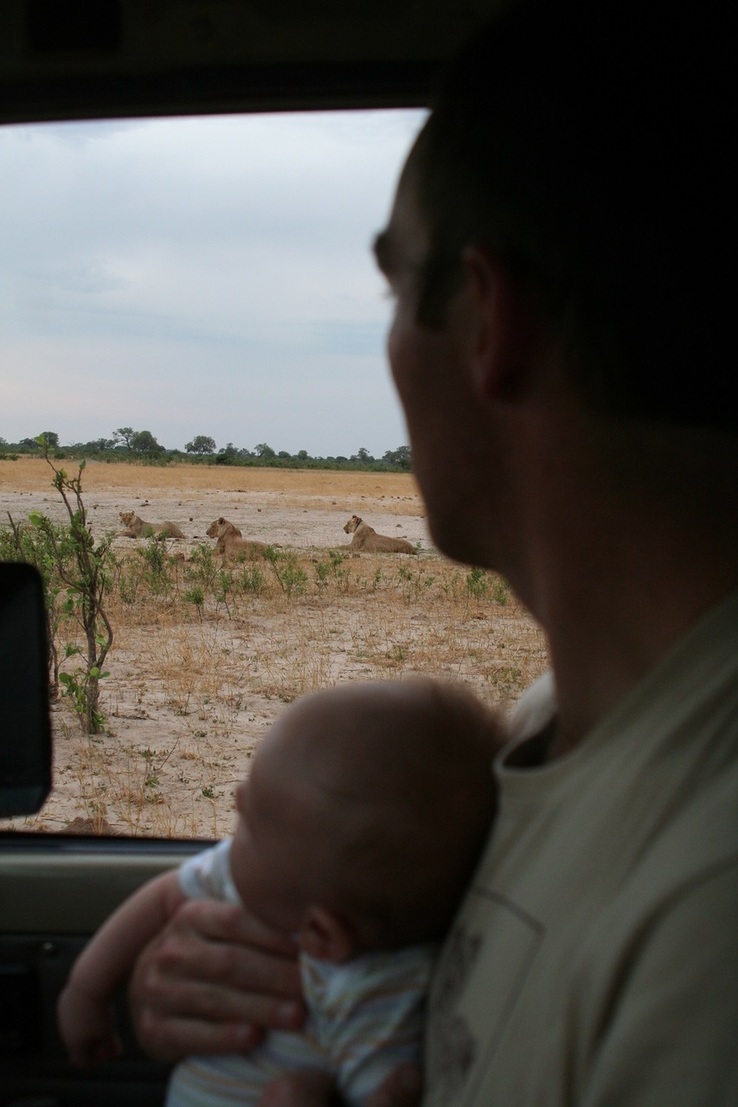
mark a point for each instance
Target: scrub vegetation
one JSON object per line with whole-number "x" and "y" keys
{"x": 142, "y": 447}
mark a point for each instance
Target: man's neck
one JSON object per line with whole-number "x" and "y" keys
{"x": 617, "y": 571}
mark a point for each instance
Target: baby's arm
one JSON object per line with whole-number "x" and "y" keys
{"x": 85, "y": 1006}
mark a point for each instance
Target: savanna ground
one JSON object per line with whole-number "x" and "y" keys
{"x": 206, "y": 654}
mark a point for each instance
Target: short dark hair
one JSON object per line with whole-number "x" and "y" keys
{"x": 587, "y": 145}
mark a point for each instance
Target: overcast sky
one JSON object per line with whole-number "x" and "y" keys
{"x": 200, "y": 276}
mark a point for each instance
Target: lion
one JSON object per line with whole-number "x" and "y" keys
{"x": 366, "y": 538}
{"x": 230, "y": 542}
{"x": 136, "y": 527}
{"x": 222, "y": 525}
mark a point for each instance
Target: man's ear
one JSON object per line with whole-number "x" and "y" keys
{"x": 508, "y": 327}
{"x": 326, "y": 936}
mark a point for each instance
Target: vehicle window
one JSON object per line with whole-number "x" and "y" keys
{"x": 193, "y": 331}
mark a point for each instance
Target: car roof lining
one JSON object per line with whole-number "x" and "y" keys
{"x": 77, "y": 59}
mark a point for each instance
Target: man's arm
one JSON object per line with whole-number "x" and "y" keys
{"x": 84, "y": 1009}
{"x": 402, "y": 1088}
{"x": 211, "y": 981}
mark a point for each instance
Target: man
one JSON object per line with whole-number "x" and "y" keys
{"x": 558, "y": 256}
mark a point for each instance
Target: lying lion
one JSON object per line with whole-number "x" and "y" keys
{"x": 231, "y": 544}
{"x": 136, "y": 527}
{"x": 366, "y": 538}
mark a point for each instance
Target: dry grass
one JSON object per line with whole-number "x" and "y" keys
{"x": 290, "y": 487}
{"x": 205, "y": 656}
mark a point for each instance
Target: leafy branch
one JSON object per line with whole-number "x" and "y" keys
{"x": 85, "y": 575}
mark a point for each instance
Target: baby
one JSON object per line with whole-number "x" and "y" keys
{"x": 358, "y": 828}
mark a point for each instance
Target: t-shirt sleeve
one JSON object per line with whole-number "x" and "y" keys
{"x": 534, "y": 710}
{"x": 207, "y": 875}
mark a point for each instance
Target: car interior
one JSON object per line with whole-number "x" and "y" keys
{"x": 107, "y": 59}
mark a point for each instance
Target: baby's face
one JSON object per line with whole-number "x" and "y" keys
{"x": 260, "y": 864}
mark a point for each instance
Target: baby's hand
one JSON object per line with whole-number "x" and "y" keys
{"x": 87, "y": 1028}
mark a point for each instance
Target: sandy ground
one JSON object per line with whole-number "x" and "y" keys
{"x": 186, "y": 703}
{"x": 291, "y": 508}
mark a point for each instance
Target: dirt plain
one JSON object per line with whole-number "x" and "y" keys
{"x": 192, "y": 687}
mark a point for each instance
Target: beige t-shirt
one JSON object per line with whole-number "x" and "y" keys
{"x": 594, "y": 962}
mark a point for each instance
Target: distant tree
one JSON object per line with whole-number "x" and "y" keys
{"x": 303, "y": 455}
{"x": 29, "y": 443}
{"x": 48, "y": 439}
{"x": 143, "y": 442}
{"x": 362, "y": 455}
{"x": 400, "y": 457}
{"x": 201, "y": 444}
{"x": 284, "y": 455}
{"x": 227, "y": 455}
{"x": 266, "y": 453}
{"x": 123, "y": 436}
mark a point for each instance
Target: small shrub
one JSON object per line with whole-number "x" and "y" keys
{"x": 158, "y": 566}
{"x": 322, "y": 573}
{"x": 251, "y": 579}
{"x": 501, "y": 591}
{"x": 290, "y": 575}
{"x": 223, "y": 587}
{"x": 414, "y": 583}
{"x": 77, "y": 569}
{"x": 196, "y": 596}
{"x": 477, "y": 583}
{"x": 128, "y": 581}
{"x": 338, "y": 569}
{"x": 202, "y": 567}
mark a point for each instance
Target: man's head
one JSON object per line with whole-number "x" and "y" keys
{"x": 581, "y": 146}
{"x": 364, "y": 814}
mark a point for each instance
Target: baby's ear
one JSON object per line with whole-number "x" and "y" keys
{"x": 326, "y": 936}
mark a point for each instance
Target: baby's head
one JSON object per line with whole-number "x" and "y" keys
{"x": 364, "y": 814}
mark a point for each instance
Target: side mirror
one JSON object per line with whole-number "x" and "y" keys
{"x": 25, "y": 726}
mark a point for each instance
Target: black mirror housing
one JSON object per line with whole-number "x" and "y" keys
{"x": 25, "y": 725}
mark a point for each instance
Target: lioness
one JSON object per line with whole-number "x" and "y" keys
{"x": 231, "y": 544}
{"x": 366, "y": 538}
{"x": 136, "y": 527}
{"x": 222, "y": 526}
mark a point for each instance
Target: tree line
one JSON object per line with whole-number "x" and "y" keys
{"x": 128, "y": 444}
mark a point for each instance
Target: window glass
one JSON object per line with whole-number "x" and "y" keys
{"x": 192, "y": 329}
